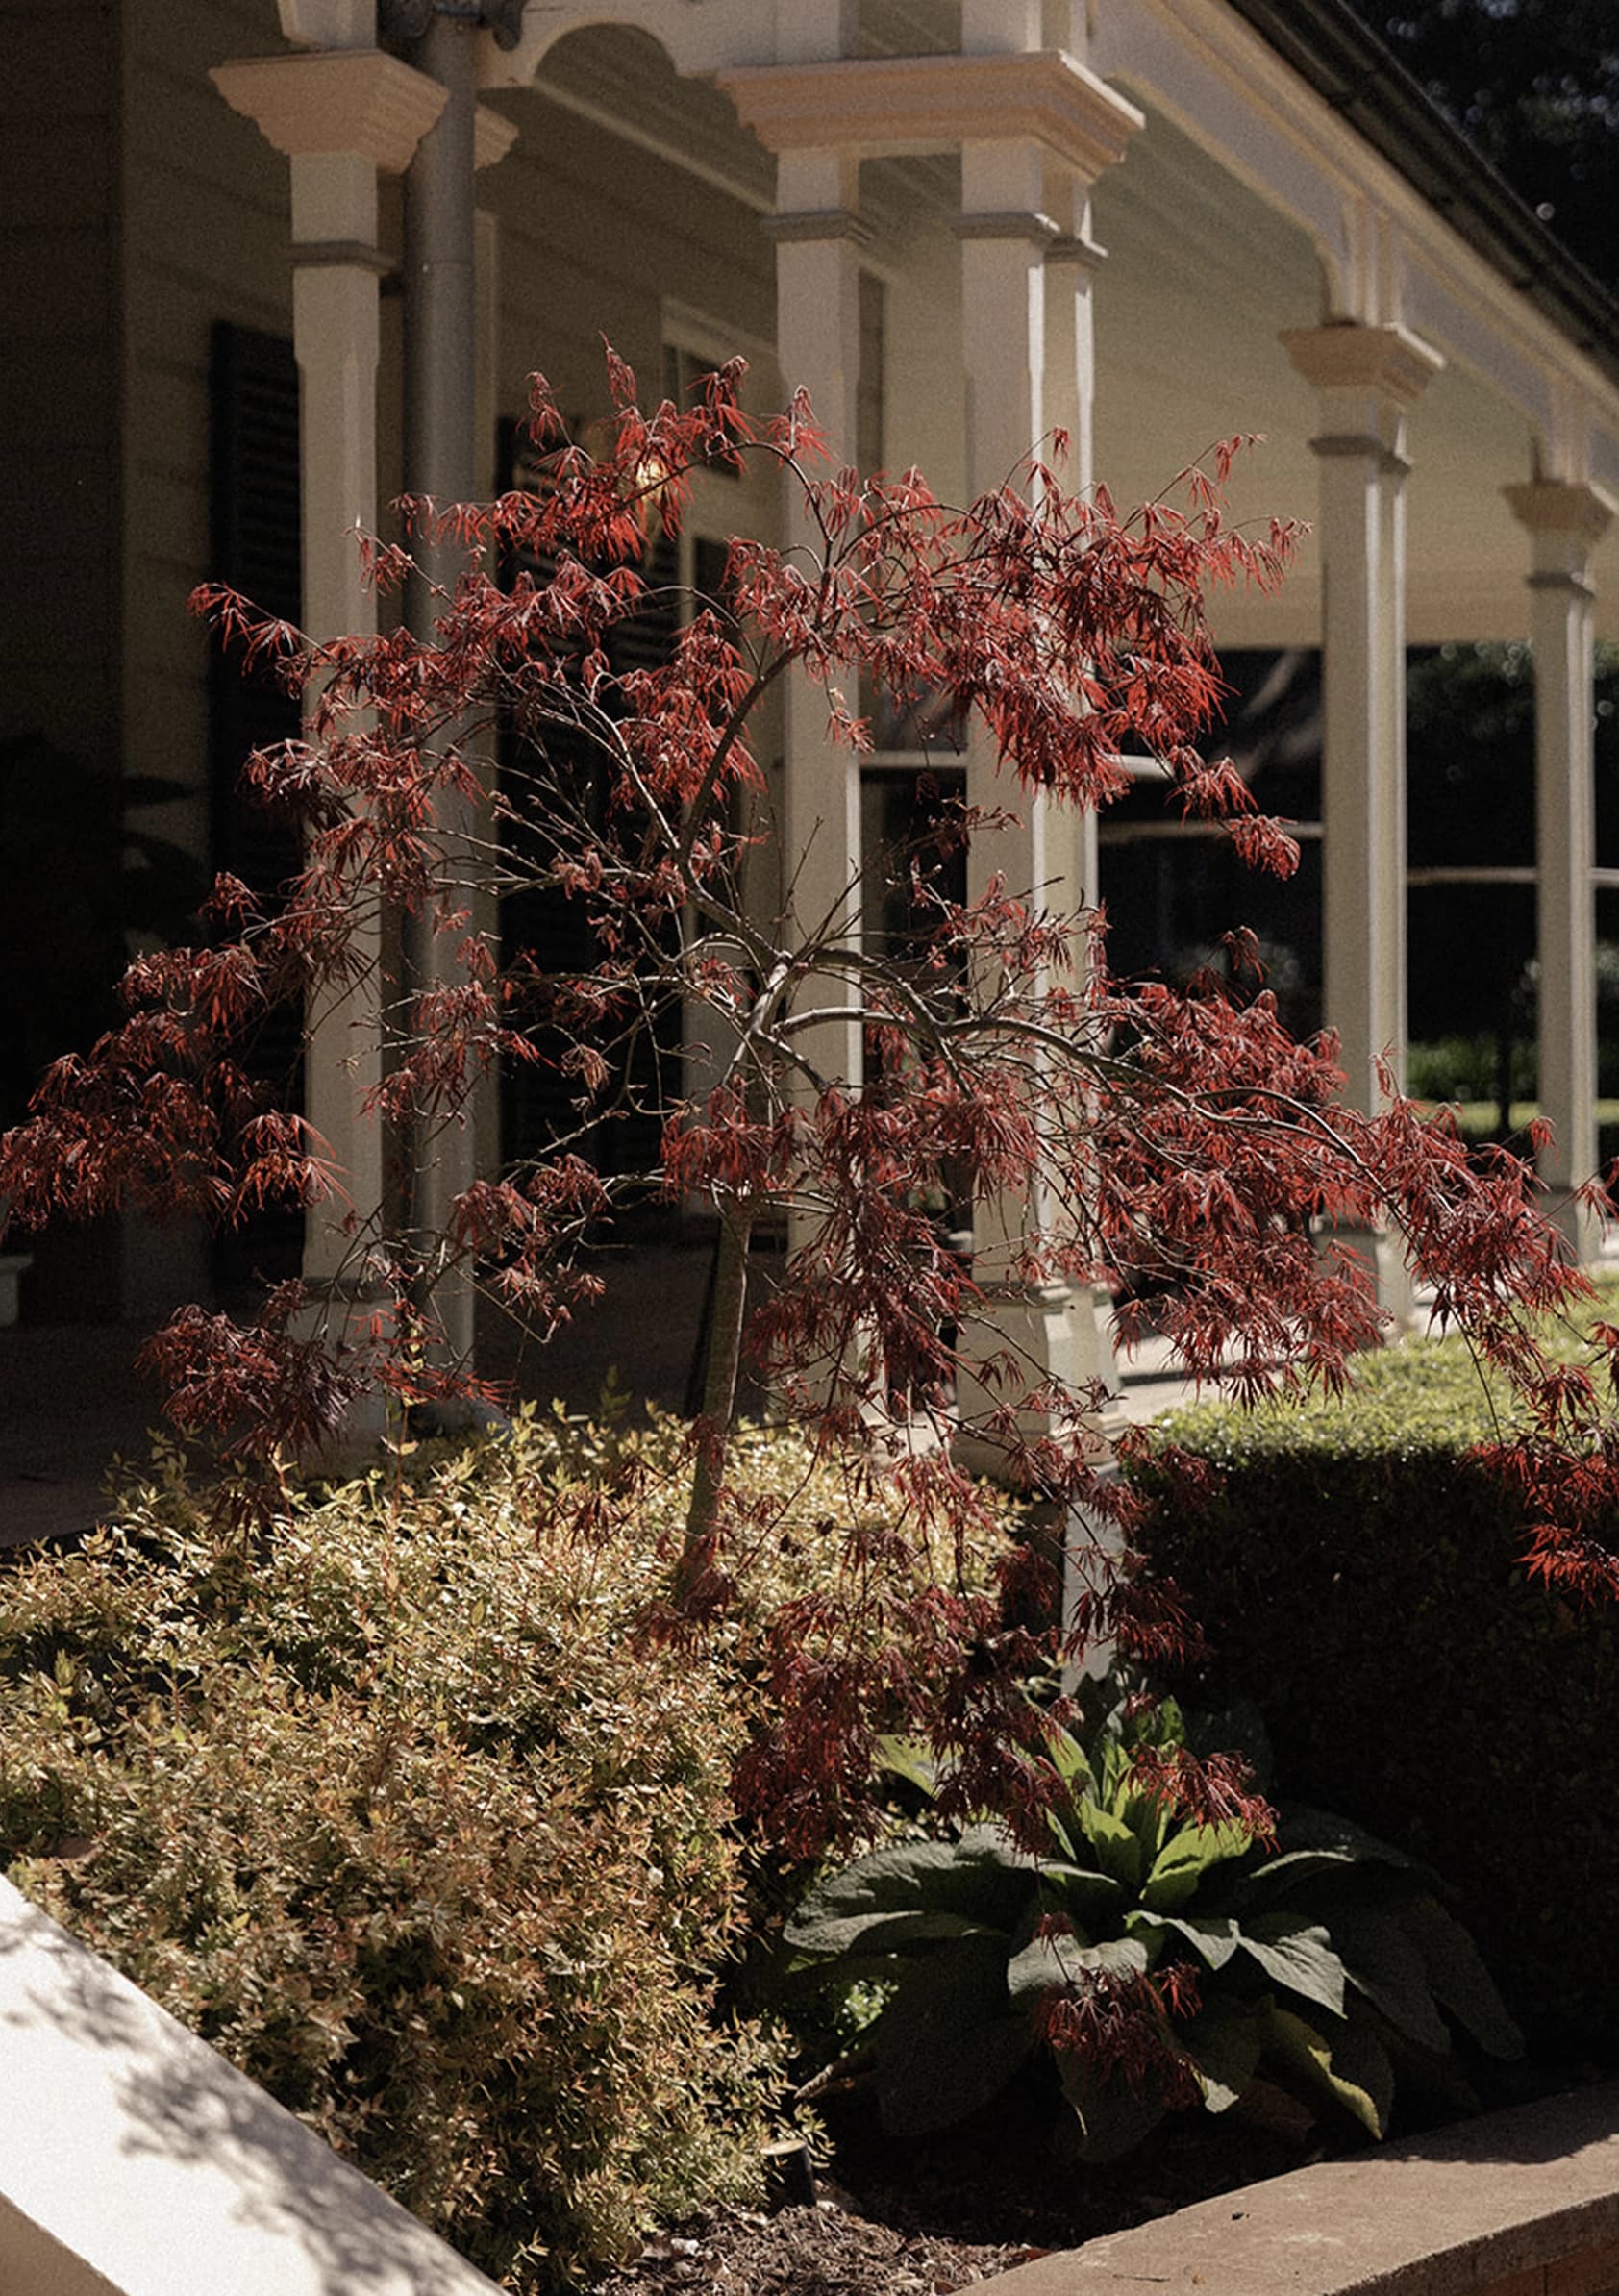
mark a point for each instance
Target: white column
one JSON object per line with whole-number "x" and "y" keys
{"x": 440, "y": 463}
{"x": 335, "y": 337}
{"x": 1565, "y": 522}
{"x": 1368, "y": 377}
{"x": 1005, "y": 236}
{"x": 340, "y": 114}
{"x": 1072, "y": 261}
{"x": 1020, "y": 72}
{"x": 818, "y": 238}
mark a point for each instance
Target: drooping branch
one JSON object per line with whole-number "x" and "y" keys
{"x": 1185, "y": 1142}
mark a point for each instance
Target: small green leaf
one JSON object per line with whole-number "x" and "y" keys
{"x": 1213, "y": 1938}
{"x": 1070, "y": 1761}
{"x": 1060, "y": 1834}
{"x": 911, "y": 1759}
{"x": 1080, "y": 1890}
{"x": 1113, "y": 2116}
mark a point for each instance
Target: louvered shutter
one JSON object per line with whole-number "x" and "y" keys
{"x": 256, "y": 549}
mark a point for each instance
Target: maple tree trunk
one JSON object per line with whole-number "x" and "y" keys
{"x": 719, "y": 1382}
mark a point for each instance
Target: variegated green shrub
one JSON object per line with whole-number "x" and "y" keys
{"x": 396, "y": 1805}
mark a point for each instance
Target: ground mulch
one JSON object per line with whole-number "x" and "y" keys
{"x": 819, "y": 2251}
{"x": 926, "y": 2219}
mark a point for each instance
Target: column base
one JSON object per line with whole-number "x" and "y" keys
{"x": 14, "y": 1266}
{"x": 345, "y": 1317}
{"x": 1053, "y": 1336}
{"x": 1057, "y": 1335}
{"x": 1383, "y": 1252}
{"x": 1580, "y": 1228}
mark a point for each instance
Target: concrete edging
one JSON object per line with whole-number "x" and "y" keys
{"x": 1524, "y": 2203}
{"x": 134, "y": 2161}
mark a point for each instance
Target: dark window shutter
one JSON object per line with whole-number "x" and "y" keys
{"x": 537, "y": 1100}
{"x": 256, "y": 550}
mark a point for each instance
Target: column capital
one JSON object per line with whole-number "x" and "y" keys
{"x": 341, "y": 255}
{"x": 1365, "y": 446}
{"x": 935, "y": 103}
{"x": 816, "y": 223}
{"x": 1010, "y": 223}
{"x": 1570, "y": 510}
{"x": 1390, "y": 360}
{"x": 492, "y": 136}
{"x": 1075, "y": 251}
{"x": 1564, "y": 519}
{"x": 336, "y": 100}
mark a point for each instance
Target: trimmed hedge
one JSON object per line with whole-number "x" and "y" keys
{"x": 1357, "y": 1576}
{"x": 396, "y": 1808}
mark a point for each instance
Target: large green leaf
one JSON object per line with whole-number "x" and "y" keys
{"x": 1146, "y": 1813}
{"x": 1116, "y": 1845}
{"x": 979, "y": 1879}
{"x": 1051, "y": 1964}
{"x": 947, "y": 2043}
{"x": 883, "y": 1933}
{"x": 1334, "y": 2059}
{"x": 1459, "y": 1980}
{"x": 1224, "y": 2042}
{"x": 1080, "y": 1891}
{"x": 1296, "y": 1955}
{"x": 1313, "y": 1842}
{"x": 1386, "y": 1965}
{"x": 1151, "y": 1820}
{"x": 1186, "y": 1857}
{"x": 1112, "y": 2116}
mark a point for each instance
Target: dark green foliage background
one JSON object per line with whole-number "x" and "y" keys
{"x": 1535, "y": 86}
{"x": 1356, "y": 1576}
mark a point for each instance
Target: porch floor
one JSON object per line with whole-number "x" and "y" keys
{"x": 72, "y": 1402}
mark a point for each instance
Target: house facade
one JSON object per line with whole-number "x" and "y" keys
{"x": 273, "y": 264}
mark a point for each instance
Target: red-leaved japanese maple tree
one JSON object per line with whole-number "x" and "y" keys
{"x": 1134, "y": 1131}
